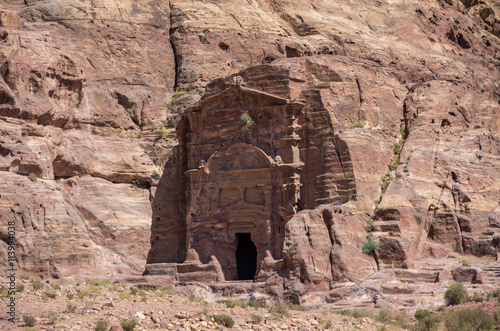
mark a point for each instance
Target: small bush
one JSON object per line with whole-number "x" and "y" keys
{"x": 134, "y": 290}
{"x": 496, "y": 316}
{"x": 55, "y": 286}
{"x": 468, "y": 319}
{"x": 174, "y": 97}
{"x": 25, "y": 277}
{"x": 394, "y": 164}
{"x": 162, "y": 133}
{"x": 254, "y": 303}
{"x": 206, "y": 30}
{"x": 223, "y": 320}
{"x": 37, "y": 283}
{"x": 357, "y": 125}
{"x": 465, "y": 264}
{"x": 91, "y": 290}
{"x": 279, "y": 310}
{"x": 493, "y": 293}
{"x": 405, "y": 169}
{"x": 397, "y": 148}
{"x": 404, "y": 134}
{"x": 246, "y": 123}
{"x": 70, "y": 308}
{"x": 369, "y": 226}
{"x": 456, "y": 294}
{"x": 155, "y": 175}
{"x": 125, "y": 296}
{"x": 370, "y": 247}
{"x": 128, "y": 325}
{"x": 434, "y": 225}
{"x": 166, "y": 290}
{"x": 297, "y": 307}
{"x": 19, "y": 287}
{"x": 386, "y": 181}
{"x": 428, "y": 323}
{"x": 477, "y": 298}
{"x": 52, "y": 317}
{"x": 29, "y": 320}
{"x": 70, "y": 296}
{"x": 420, "y": 314}
{"x": 102, "y": 325}
{"x": 33, "y": 177}
{"x": 101, "y": 282}
{"x": 418, "y": 218}
{"x": 255, "y": 319}
{"x": 49, "y": 294}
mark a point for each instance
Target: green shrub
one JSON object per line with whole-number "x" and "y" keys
{"x": 174, "y": 97}
{"x": 255, "y": 319}
{"x": 468, "y": 320}
{"x": 25, "y": 277}
{"x": 397, "y": 148}
{"x": 128, "y": 325}
{"x": 369, "y": 226}
{"x": 254, "y": 303}
{"x": 404, "y": 134}
{"x": 70, "y": 296}
{"x": 102, "y": 325}
{"x": 357, "y": 125}
{"x": 206, "y": 30}
{"x": 394, "y": 164}
{"x": 33, "y": 177}
{"x": 37, "y": 283}
{"x": 70, "y": 308}
{"x": 405, "y": 169}
{"x": 465, "y": 264}
{"x": 297, "y": 307}
{"x": 386, "y": 181}
{"x": 420, "y": 314}
{"x": 134, "y": 290}
{"x": 493, "y": 293}
{"x": 418, "y": 218}
{"x": 29, "y": 320}
{"x": 155, "y": 175}
{"x": 496, "y": 316}
{"x": 246, "y": 123}
{"x": 434, "y": 225}
{"x": 55, "y": 286}
{"x": 52, "y": 317}
{"x": 456, "y": 294}
{"x": 162, "y": 133}
{"x": 370, "y": 247}
{"x": 223, "y": 320}
{"x": 101, "y": 282}
{"x": 428, "y": 323}
{"x": 279, "y": 310}
{"x": 125, "y": 296}
{"x": 49, "y": 294}
{"x": 19, "y": 287}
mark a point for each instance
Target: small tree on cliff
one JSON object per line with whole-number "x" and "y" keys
{"x": 369, "y": 248}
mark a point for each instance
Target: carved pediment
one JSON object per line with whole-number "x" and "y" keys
{"x": 238, "y": 97}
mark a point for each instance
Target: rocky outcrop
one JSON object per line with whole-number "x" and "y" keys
{"x": 83, "y": 92}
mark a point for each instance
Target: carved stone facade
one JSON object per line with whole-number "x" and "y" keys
{"x": 238, "y": 175}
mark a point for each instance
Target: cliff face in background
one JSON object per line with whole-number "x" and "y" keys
{"x": 83, "y": 103}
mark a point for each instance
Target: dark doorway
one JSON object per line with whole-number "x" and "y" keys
{"x": 246, "y": 256}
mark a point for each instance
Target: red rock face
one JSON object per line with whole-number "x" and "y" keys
{"x": 84, "y": 88}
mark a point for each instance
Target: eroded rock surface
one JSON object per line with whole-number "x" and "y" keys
{"x": 399, "y": 124}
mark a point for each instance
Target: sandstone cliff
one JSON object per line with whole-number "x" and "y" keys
{"x": 406, "y": 94}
